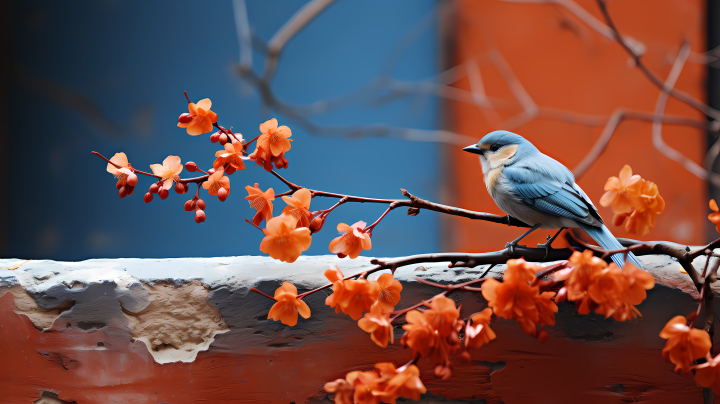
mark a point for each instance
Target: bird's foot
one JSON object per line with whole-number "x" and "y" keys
{"x": 547, "y": 246}
{"x": 511, "y": 246}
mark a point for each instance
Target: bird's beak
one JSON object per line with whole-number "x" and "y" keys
{"x": 474, "y": 149}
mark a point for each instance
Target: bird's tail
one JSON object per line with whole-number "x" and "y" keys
{"x": 607, "y": 241}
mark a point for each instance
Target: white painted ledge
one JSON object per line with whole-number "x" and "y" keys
{"x": 179, "y": 308}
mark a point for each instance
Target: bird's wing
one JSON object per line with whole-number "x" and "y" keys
{"x": 550, "y": 189}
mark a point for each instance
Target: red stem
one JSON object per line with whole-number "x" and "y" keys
{"x": 257, "y": 227}
{"x": 268, "y": 296}
{"x": 423, "y": 303}
{"x": 131, "y": 168}
{"x": 186, "y": 97}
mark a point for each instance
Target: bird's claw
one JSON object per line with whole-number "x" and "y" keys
{"x": 546, "y": 246}
{"x": 511, "y": 247}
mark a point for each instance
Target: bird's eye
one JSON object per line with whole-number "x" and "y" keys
{"x": 494, "y": 148}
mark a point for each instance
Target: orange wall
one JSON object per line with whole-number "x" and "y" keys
{"x": 564, "y": 64}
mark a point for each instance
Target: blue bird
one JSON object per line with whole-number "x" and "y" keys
{"x": 538, "y": 190}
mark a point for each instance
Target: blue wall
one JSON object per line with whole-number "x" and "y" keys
{"x": 108, "y": 76}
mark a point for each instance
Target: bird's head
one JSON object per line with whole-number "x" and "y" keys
{"x": 500, "y": 148}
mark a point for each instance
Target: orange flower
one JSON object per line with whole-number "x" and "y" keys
{"x": 343, "y": 390}
{"x": 515, "y": 299}
{"x": 169, "y": 171}
{"x": 232, "y": 156}
{"x": 336, "y": 278}
{"x": 616, "y": 292}
{"x": 273, "y": 139}
{"x": 620, "y": 191}
{"x": 684, "y": 344}
{"x": 645, "y": 208}
{"x": 288, "y": 306}
{"x": 377, "y": 322}
{"x": 714, "y": 217}
{"x": 585, "y": 267}
{"x": 299, "y": 204}
{"x": 480, "y": 332}
{"x": 265, "y": 159}
{"x": 401, "y": 382}
{"x": 201, "y": 119}
{"x": 217, "y": 181}
{"x": 283, "y": 241}
{"x": 352, "y": 240}
{"x": 359, "y": 296}
{"x": 123, "y": 172}
{"x": 389, "y": 294}
{"x": 385, "y": 384}
{"x": 434, "y": 333}
{"x": 707, "y": 374}
{"x": 262, "y": 202}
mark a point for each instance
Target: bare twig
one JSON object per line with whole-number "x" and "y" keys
{"x": 297, "y": 22}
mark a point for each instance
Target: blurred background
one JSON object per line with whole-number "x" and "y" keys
{"x": 379, "y": 96}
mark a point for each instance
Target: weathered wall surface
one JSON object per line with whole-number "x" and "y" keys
{"x": 189, "y": 331}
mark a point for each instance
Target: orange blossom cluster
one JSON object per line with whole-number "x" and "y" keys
{"x": 634, "y": 201}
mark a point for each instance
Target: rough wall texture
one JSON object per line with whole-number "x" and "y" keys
{"x": 189, "y": 331}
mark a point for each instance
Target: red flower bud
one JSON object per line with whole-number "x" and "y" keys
{"x": 230, "y": 170}
{"x": 317, "y": 224}
{"x": 185, "y": 118}
{"x": 130, "y": 189}
{"x": 154, "y": 188}
{"x": 190, "y": 166}
{"x": 163, "y": 193}
{"x": 222, "y": 194}
{"x": 223, "y": 139}
{"x": 189, "y": 205}
{"x": 341, "y": 255}
{"x": 119, "y": 184}
{"x": 179, "y": 188}
{"x": 199, "y": 216}
{"x": 148, "y": 197}
{"x": 561, "y": 296}
{"x": 123, "y": 192}
{"x": 132, "y": 179}
{"x": 215, "y": 137}
{"x": 200, "y": 204}
{"x": 543, "y": 335}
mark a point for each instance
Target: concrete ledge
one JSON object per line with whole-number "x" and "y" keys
{"x": 189, "y": 331}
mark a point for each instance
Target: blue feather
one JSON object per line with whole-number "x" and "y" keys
{"x": 607, "y": 241}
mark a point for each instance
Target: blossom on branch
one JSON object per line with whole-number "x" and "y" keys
{"x": 713, "y": 217}
{"x": 384, "y": 384}
{"x": 684, "y": 344}
{"x": 288, "y": 305}
{"x": 635, "y": 201}
{"x": 389, "y": 294}
{"x": 606, "y": 289}
{"x": 217, "y": 184}
{"x": 336, "y": 277}
{"x": 358, "y": 297}
{"x": 479, "y": 333}
{"x": 708, "y": 374}
{"x": 169, "y": 171}
{"x": 261, "y": 202}
{"x": 299, "y": 206}
{"x": 619, "y": 191}
{"x": 377, "y": 323}
{"x": 232, "y": 156}
{"x": 515, "y": 299}
{"x": 352, "y": 240}
{"x": 200, "y": 119}
{"x": 124, "y": 173}
{"x": 433, "y": 334}
{"x": 274, "y": 139}
{"x": 283, "y": 241}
